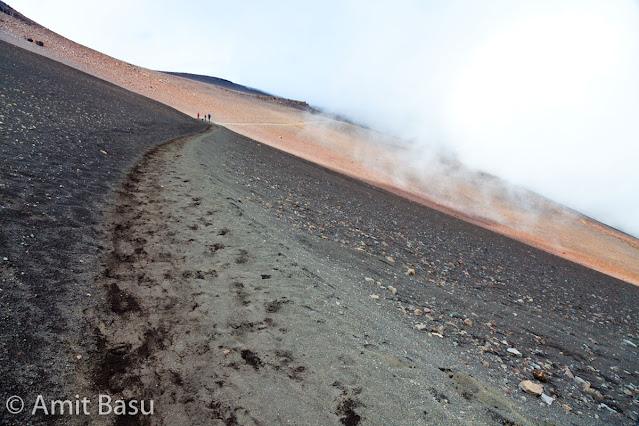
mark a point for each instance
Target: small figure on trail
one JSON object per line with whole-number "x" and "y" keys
{"x": 209, "y": 118}
{"x": 198, "y": 115}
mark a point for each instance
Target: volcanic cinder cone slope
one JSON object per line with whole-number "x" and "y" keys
{"x": 361, "y": 153}
{"x": 239, "y": 284}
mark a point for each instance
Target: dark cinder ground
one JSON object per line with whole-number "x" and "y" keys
{"x": 54, "y": 178}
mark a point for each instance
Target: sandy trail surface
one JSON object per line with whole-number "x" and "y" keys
{"x": 225, "y": 305}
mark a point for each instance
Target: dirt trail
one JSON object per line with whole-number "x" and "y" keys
{"x": 220, "y": 313}
{"x": 217, "y": 316}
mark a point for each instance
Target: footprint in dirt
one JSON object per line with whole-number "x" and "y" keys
{"x": 240, "y": 293}
{"x": 346, "y": 408}
{"x": 214, "y": 248}
{"x": 242, "y": 257}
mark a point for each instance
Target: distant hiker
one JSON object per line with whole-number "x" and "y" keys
{"x": 209, "y": 118}
{"x": 198, "y": 115}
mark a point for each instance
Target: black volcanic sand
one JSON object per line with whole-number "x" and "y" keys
{"x": 66, "y": 140}
{"x": 246, "y": 286}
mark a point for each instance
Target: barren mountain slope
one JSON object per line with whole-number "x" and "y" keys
{"x": 361, "y": 153}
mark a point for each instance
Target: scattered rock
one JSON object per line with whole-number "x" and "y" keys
{"x": 568, "y": 373}
{"x": 594, "y": 394}
{"x": 628, "y": 342}
{"x": 468, "y": 322}
{"x": 374, "y": 296}
{"x": 419, "y": 312}
{"x": 392, "y": 289}
{"x": 514, "y": 352}
{"x": 547, "y": 399}
{"x": 452, "y": 325}
{"x": 369, "y": 280}
{"x": 581, "y": 382}
{"x": 602, "y": 405}
{"x": 410, "y": 271}
{"x": 39, "y": 43}
{"x": 79, "y": 357}
{"x": 420, "y": 327}
{"x": 531, "y": 388}
{"x": 390, "y": 259}
{"x": 540, "y": 375}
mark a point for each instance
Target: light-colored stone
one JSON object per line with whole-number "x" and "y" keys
{"x": 568, "y": 373}
{"x": 374, "y": 296}
{"x": 514, "y": 352}
{"x": 602, "y": 405}
{"x": 581, "y": 382}
{"x": 531, "y": 388}
{"x": 547, "y": 399}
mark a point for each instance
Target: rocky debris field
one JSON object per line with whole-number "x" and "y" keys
{"x": 510, "y": 310}
{"x": 66, "y": 139}
{"x": 246, "y": 286}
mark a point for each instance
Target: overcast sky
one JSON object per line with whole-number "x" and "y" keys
{"x": 541, "y": 93}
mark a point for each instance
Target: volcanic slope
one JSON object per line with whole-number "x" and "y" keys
{"x": 362, "y": 153}
{"x": 66, "y": 140}
{"x": 247, "y": 286}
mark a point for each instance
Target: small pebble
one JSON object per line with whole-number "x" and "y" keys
{"x": 540, "y": 375}
{"x": 514, "y": 352}
{"x": 547, "y": 399}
